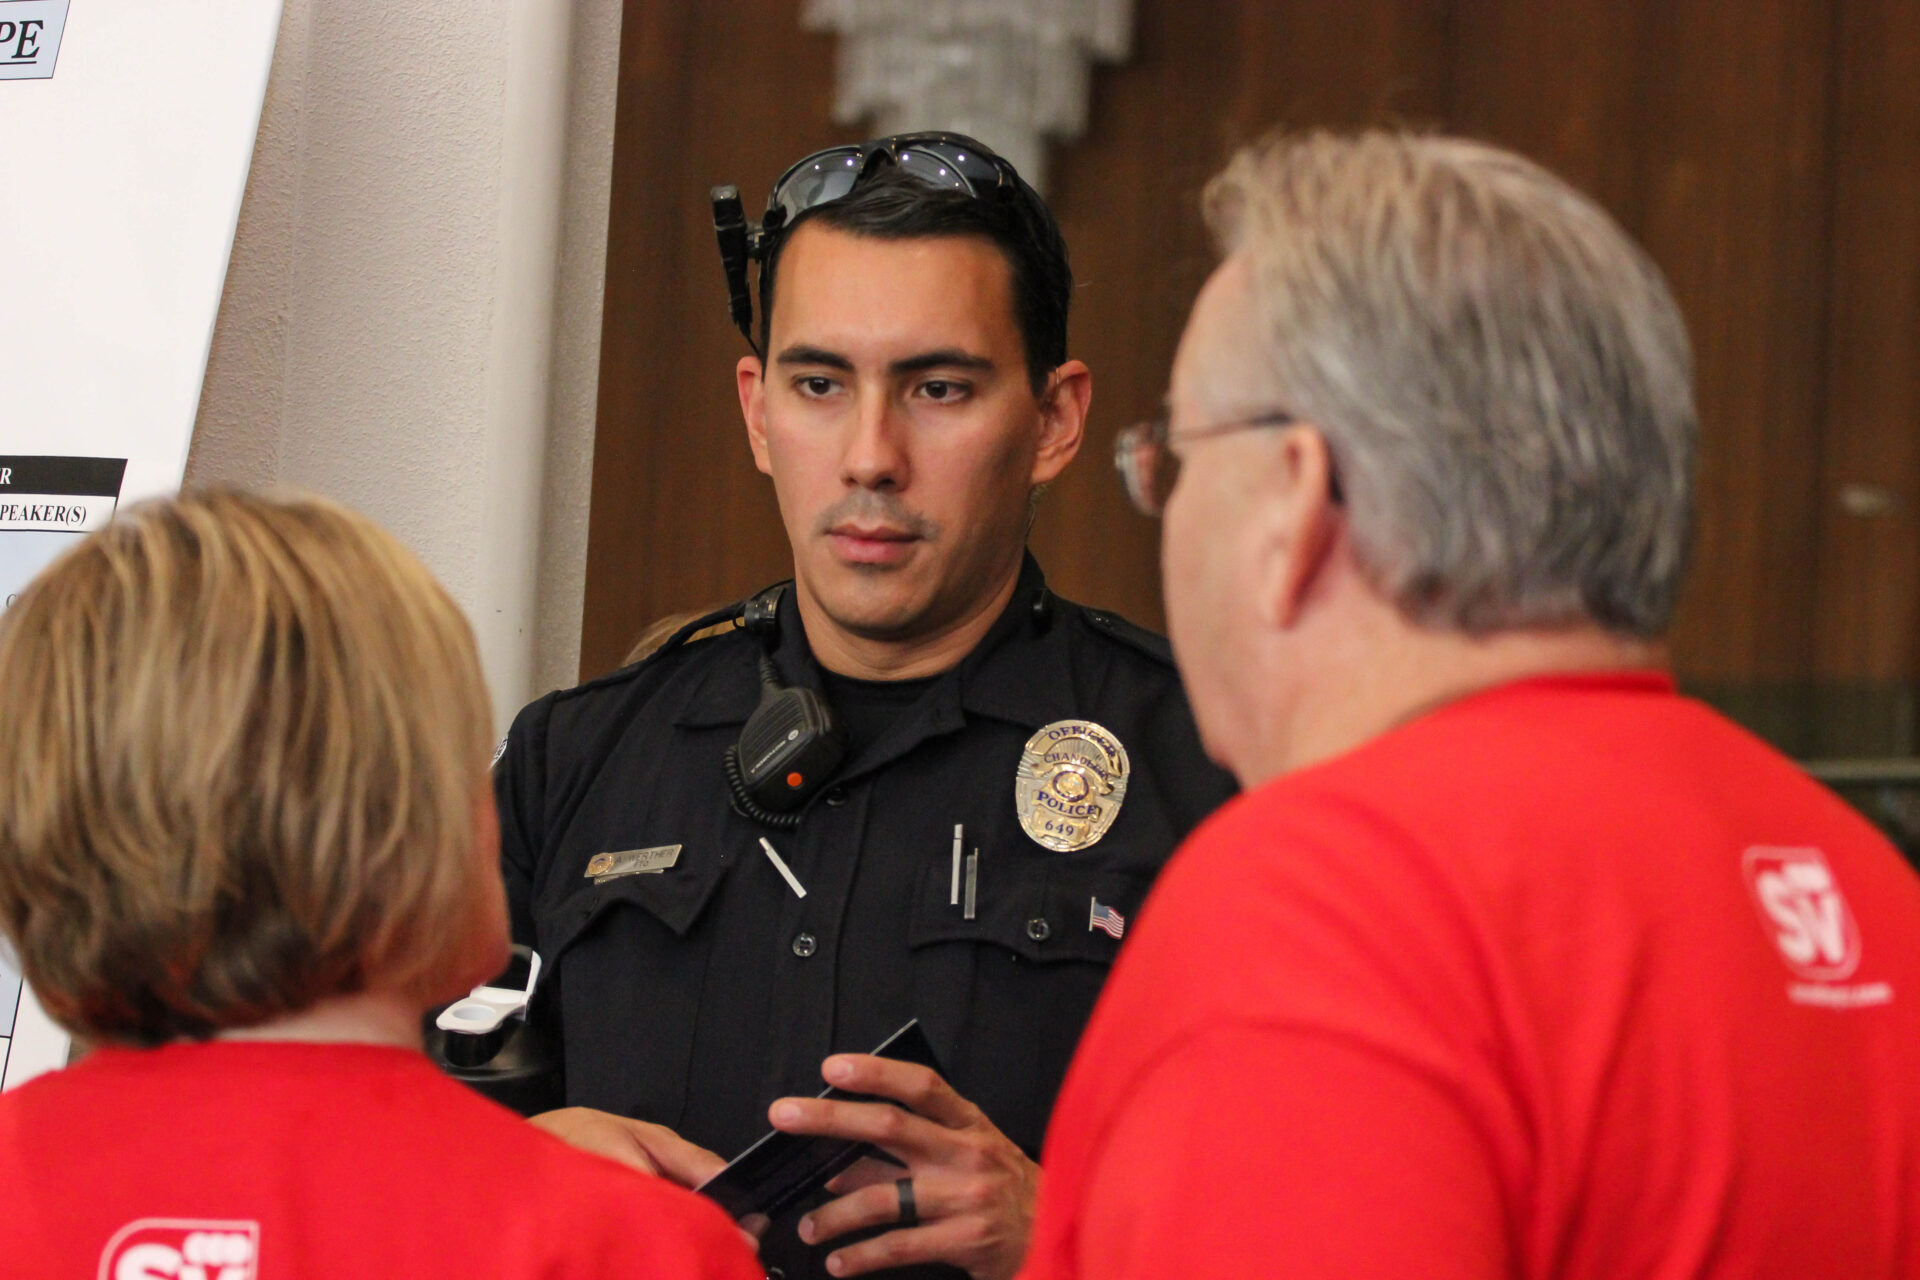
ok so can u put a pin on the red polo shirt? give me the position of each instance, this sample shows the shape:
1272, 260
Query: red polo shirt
1570, 978
274, 1161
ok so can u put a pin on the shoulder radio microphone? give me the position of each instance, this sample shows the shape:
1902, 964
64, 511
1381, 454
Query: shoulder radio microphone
791, 744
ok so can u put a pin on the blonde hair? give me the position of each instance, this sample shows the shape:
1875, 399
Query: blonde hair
654, 638
245, 742
1501, 375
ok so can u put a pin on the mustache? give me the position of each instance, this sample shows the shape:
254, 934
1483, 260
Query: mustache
866, 506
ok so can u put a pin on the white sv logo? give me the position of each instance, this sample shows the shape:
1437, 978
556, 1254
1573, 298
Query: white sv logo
1799, 898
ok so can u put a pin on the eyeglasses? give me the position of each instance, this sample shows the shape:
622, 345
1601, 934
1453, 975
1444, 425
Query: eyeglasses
947, 160
1149, 467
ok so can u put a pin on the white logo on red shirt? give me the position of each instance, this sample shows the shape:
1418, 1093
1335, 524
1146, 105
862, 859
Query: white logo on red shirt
181, 1249
1803, 909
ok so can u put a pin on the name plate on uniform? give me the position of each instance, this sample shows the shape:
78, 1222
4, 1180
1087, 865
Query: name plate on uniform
603, 867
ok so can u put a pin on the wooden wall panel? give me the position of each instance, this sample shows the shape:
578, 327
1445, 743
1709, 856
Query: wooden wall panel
1128, 200
1563, 83
1737, 180
709, 93
1709, 129
1868, 619
1129, 183
1702, 127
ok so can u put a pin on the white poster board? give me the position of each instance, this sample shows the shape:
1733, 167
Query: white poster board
129, 125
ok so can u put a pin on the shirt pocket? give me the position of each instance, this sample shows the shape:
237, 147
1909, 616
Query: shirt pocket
673, 899
1006, 994
1041, 908
628, 965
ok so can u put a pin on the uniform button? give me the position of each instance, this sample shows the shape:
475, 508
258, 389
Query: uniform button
836, 796
1038, 929
805, 944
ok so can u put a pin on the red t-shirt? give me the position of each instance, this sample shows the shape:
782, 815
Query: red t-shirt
1572, 978
271, 1161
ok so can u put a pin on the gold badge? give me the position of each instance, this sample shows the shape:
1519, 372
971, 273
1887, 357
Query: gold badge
603, 867
1071, 780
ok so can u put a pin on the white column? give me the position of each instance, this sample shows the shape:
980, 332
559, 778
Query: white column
411, 318
533, 153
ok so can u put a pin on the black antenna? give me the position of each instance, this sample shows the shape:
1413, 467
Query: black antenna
730, 228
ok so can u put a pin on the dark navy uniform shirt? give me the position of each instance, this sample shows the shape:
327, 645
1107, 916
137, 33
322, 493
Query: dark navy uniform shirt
696, 996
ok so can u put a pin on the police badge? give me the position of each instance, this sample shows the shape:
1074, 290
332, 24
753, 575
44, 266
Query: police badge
1071, 780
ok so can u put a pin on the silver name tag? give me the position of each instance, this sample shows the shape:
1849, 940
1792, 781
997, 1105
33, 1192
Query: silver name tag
603, 867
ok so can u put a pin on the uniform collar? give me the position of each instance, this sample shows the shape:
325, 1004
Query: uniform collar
1019, 672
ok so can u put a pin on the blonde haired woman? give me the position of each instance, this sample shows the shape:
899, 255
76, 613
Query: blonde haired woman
246, 839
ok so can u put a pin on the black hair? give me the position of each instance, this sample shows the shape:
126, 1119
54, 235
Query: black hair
890, 205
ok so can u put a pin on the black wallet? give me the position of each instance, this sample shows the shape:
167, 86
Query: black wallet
781, 1169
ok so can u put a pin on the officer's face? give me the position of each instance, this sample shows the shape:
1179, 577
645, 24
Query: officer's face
899, 427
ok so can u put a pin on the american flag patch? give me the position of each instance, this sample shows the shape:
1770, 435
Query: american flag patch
1106, 919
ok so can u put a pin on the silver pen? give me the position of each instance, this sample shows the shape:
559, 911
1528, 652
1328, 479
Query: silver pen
953, 897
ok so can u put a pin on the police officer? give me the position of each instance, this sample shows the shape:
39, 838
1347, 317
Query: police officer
1016, 768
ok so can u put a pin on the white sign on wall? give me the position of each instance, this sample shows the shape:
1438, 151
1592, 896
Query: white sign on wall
30, 38
129, 128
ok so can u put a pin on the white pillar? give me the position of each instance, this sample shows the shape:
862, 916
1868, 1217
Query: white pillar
411, 320
533, 153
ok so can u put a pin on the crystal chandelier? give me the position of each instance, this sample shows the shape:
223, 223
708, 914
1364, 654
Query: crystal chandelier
1009, 72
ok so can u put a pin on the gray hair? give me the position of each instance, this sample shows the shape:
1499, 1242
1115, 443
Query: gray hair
1501, 376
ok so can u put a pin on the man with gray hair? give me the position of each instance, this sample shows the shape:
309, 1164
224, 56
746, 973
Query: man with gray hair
1510, 962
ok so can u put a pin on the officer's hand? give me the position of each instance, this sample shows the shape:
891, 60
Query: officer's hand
650, 1148
973, 1188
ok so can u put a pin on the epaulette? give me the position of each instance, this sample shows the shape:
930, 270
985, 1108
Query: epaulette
756, 613
717, 624
639, 667
1135, 637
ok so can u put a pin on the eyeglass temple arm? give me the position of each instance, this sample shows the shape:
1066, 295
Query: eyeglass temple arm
736, 240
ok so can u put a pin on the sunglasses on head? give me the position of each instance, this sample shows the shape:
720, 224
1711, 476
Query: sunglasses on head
945, 161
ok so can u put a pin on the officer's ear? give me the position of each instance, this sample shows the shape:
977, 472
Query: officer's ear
750, 380
1063, 419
